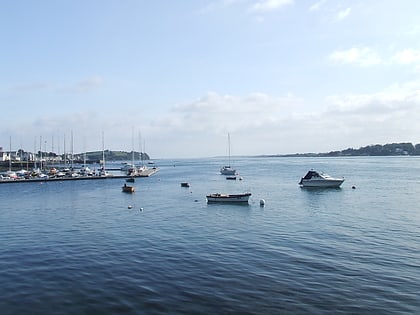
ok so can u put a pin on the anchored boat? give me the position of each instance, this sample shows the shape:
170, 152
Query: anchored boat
228, 198
318, 179
127, 189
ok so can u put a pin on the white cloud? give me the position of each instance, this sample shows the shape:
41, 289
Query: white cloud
33, 86
227, 112
82, 86
317, 5
341, 15
407, 56
258, 123
269, 5
414, 31
254, 6
395, 107
86, 85
262, 124
360, 56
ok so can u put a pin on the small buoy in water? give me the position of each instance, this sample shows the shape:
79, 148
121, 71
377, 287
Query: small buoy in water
262, 203
353, 187
196, 200
129, 207
141, 209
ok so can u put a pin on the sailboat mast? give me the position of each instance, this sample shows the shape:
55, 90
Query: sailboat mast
35, 153
132, 146
84, 152
229, 147
10, 154
64, 154
103, 151
72, 150
40, 151
141, 151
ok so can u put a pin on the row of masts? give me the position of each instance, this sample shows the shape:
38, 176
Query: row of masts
68, 158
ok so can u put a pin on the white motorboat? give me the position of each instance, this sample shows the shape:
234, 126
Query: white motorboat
318, 179
228, 198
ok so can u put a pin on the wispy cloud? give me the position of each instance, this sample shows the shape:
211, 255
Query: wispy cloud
407, 56
341, 15
85, 85
317, 5
360, 56
215, 111
266, 122
269, 5
254, 6
33, 86
413, 31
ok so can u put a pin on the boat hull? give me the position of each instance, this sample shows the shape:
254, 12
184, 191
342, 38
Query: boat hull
330, 183
228, 198
227, 171
128, 189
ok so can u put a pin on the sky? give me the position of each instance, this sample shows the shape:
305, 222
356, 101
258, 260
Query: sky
174, 78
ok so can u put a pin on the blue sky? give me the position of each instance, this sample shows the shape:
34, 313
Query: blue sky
281, 76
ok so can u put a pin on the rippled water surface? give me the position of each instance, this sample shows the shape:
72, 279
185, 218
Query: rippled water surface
76, 247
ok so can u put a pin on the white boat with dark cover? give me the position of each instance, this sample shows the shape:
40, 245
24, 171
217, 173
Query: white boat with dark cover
318, 179
228, 198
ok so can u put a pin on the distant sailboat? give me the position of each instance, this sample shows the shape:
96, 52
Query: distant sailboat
102, 171
227, 169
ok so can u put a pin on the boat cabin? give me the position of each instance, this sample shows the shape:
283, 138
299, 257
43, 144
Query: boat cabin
311, 174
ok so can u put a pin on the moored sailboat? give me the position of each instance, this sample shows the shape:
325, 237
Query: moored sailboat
227, 169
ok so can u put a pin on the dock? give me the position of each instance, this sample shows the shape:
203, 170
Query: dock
144, 173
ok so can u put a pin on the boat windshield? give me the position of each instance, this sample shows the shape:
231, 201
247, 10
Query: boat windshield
311, 174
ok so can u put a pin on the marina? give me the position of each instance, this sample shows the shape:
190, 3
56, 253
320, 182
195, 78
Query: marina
116, 175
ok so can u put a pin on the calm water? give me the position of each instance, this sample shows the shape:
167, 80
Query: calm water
77, 248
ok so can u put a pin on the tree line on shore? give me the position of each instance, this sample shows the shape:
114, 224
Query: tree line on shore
390, 149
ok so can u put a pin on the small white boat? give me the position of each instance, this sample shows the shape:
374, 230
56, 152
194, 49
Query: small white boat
104, 173
228, 198
318, 179
227, 170
86, 171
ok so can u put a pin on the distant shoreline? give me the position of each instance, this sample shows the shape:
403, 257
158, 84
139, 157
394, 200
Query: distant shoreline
392, 149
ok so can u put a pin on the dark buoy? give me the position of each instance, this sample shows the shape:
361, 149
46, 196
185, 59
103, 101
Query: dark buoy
353, 187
